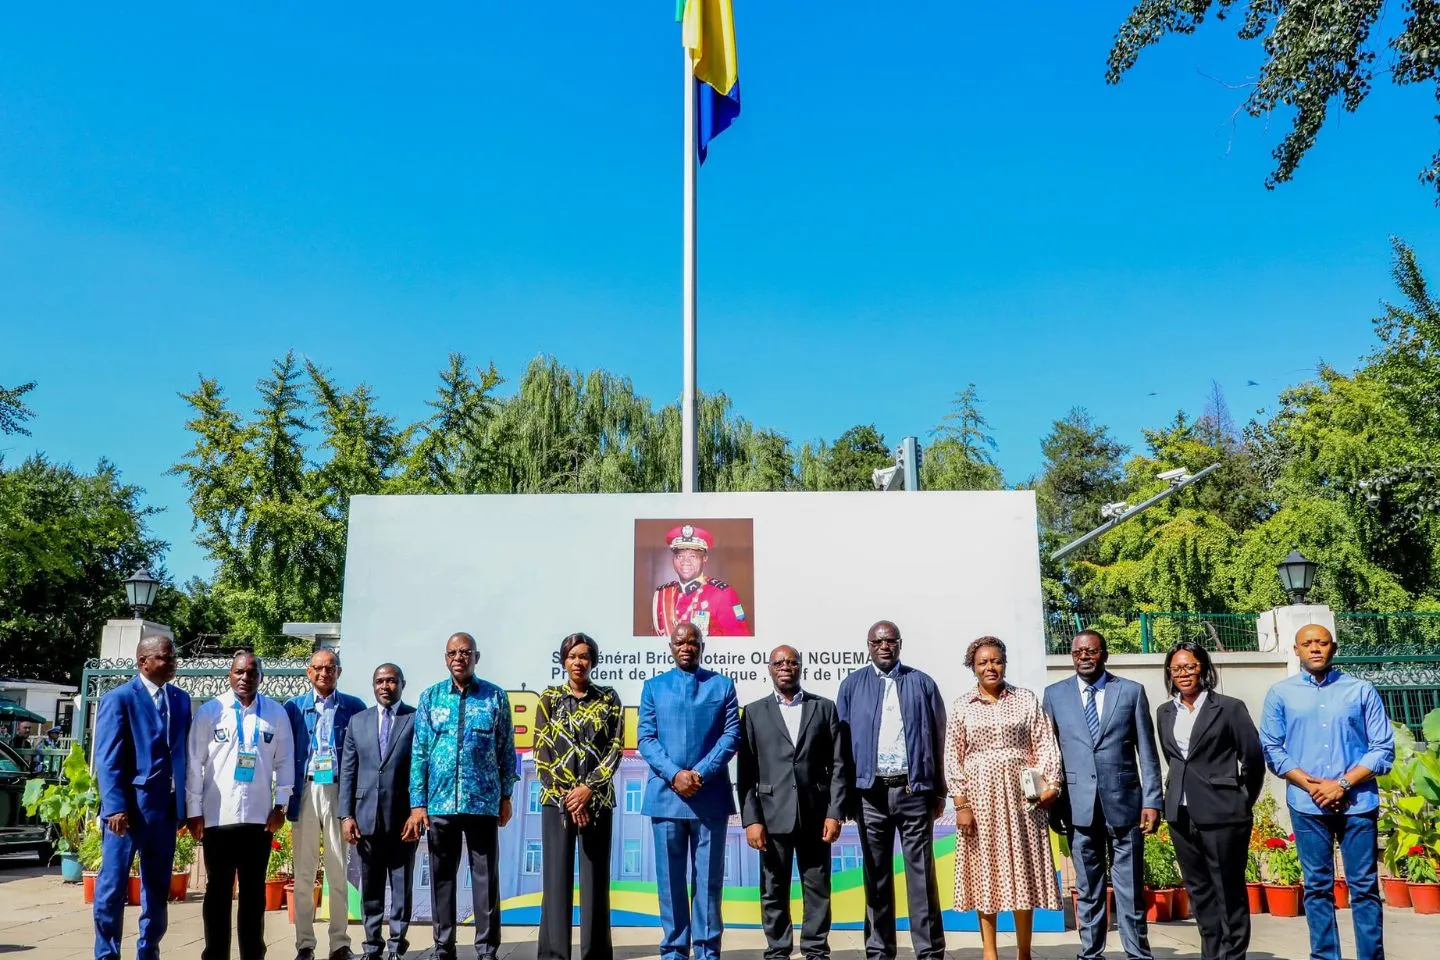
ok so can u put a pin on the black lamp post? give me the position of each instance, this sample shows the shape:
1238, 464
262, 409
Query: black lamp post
140, 591
1297, 575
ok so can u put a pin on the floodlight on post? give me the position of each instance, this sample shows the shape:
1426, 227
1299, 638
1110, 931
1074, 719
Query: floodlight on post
1297, 575
140, 591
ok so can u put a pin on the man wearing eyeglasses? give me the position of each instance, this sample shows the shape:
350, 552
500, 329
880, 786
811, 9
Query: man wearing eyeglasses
896, 725
793, 778
462, 772
318, 720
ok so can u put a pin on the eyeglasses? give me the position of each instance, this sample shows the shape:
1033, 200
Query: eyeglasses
459, 654
1185, 670
324, 669
784, 663
885, 642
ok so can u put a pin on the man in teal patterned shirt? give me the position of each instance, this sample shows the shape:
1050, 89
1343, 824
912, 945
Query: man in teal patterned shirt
462, 771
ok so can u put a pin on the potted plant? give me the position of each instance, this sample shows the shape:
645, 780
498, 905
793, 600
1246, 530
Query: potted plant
1409, 808
88, 853
1254, 889
1282, 868
67, 806
180, 871
1424, 885
278, 870
1162, 877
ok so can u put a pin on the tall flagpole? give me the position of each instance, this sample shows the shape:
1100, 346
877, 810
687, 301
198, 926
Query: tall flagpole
688, 459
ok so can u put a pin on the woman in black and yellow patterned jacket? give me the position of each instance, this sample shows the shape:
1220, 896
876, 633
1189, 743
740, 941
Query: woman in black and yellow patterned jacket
578, 739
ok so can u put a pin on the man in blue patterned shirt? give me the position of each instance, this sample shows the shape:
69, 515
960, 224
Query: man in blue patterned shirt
462, 770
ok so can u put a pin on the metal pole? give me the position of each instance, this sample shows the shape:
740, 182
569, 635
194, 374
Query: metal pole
1109, 525
689, 473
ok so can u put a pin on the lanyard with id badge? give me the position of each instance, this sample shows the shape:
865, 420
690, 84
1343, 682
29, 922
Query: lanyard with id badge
246, 757
322, 762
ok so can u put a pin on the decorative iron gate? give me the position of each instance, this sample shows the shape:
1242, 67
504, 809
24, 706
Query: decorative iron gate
202, 678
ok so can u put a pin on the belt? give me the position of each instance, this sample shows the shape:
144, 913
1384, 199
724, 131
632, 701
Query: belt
892, 780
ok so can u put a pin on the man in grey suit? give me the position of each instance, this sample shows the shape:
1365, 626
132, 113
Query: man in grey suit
374, 804
1103, 724
793, 777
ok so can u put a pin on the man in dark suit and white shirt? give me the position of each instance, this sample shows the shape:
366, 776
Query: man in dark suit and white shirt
793, 773
1103, 724
374, 805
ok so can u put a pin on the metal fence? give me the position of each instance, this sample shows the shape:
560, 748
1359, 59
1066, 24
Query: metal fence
1153, 632
202, 678
1408, 685
1388, 634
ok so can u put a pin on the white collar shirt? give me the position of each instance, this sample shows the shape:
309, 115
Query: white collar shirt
211, 790
156, 692
1100, 686
325, 708
790, 712
891, 757
1185, 726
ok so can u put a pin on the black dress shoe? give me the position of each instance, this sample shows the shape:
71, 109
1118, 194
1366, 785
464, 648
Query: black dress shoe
305, 954
341, 953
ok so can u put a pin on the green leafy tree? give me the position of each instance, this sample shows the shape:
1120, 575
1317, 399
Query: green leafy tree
1316, 55
960, 455
68, 540
846, 464
13, 411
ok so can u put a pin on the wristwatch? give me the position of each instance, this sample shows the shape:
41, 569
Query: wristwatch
1344, 784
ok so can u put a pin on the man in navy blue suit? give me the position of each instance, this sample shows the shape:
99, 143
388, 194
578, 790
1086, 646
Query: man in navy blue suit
141, 731
318, 720
688, 795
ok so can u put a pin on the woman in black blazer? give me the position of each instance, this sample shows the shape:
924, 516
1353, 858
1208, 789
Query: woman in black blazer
1216, 773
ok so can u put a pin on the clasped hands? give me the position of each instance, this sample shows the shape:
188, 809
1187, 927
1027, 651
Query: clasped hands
1327, 794
687, 783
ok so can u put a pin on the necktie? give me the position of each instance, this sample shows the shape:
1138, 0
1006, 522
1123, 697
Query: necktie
1092, 715
163, 709
384, 730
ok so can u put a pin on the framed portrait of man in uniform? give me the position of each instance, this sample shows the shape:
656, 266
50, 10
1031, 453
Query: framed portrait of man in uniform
695, 570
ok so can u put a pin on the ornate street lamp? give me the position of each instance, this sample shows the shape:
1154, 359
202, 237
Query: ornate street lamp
140, 591
1297, 575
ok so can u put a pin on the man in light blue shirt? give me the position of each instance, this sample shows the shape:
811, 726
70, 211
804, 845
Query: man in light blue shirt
689, 729
1328, 736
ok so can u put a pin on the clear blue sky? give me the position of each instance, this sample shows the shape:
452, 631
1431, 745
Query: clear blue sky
916, 196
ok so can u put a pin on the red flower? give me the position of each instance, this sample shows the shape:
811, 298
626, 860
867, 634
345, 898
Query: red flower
1291, 838
1416, 850
274, 844
1275, 843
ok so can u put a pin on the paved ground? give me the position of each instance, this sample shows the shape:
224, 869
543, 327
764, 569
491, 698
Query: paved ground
43, 919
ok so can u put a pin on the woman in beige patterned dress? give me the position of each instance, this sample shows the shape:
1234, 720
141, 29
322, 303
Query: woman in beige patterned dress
1002, 845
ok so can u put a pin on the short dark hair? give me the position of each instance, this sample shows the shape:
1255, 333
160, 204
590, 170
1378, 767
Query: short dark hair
243, 652
399, 674
574, 640
1209, 676
978, 644
1088, 632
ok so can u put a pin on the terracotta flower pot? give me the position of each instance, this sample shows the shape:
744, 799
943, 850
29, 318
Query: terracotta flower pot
179, 885
1256, 893
1109, 906
1181, 907
1159, 904
1425, 897
275, 893
1342, 894
1397, 891
134, 897
1283, 900
290, 898
89, 886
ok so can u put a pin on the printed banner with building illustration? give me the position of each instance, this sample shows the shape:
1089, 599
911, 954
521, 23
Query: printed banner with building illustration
813, 571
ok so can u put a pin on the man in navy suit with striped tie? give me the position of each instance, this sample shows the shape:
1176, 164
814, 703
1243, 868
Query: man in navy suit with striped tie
688, 795
141, 730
